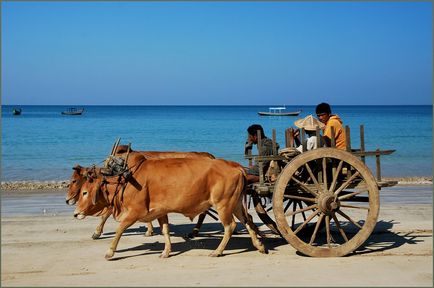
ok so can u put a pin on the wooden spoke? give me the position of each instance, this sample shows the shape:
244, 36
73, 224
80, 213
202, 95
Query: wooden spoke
270, 206
294, 207
356, 207
324, 173
339, 227
313, 178
304, 187
327, 222
287, 206
306, 221
302, 210
312, 238
312, 200
335, 176
345, 185
351, 195
348, 218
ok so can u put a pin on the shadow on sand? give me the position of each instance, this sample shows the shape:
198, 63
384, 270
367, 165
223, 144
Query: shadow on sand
210, 235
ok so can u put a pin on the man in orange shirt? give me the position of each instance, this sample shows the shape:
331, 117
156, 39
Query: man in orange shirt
324, 114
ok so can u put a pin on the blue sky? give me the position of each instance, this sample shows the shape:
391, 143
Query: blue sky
217, 53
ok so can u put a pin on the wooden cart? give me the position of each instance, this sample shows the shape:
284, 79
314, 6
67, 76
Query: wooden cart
324, 202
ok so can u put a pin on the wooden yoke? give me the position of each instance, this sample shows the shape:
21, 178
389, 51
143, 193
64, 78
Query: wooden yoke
128, 154
112, 153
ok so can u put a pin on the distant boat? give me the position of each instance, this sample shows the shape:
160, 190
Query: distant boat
16, 111
73, 111
279, 111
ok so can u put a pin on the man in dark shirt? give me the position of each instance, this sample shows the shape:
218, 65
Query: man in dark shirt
266, 149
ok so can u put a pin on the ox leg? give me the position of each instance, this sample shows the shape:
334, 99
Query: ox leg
100, 227
196, 228
164, 224
229, 227
150, 231
246, 219
121, 228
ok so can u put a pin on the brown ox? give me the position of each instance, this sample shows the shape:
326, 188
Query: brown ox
158, 187
77, 179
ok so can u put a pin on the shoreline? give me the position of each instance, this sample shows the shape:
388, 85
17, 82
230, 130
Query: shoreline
38, 185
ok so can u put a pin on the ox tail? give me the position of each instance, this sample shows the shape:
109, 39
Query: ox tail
244, 191
244, 201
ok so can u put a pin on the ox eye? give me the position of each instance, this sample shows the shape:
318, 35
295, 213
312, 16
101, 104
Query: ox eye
74, 181
84, 193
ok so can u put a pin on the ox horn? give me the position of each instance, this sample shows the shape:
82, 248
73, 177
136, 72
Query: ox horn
77, 167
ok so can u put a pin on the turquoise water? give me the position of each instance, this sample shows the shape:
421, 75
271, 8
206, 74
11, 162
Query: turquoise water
42, 144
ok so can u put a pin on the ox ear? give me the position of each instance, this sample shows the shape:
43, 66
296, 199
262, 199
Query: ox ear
96, 192
95, 196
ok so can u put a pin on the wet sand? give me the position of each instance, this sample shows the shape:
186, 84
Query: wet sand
51, 248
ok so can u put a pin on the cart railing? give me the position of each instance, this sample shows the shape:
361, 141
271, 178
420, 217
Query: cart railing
290, 143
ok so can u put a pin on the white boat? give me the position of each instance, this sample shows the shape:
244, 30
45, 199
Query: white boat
73, 111
279, 111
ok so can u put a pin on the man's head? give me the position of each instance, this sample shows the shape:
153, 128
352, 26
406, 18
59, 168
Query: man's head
253, 133
323, 112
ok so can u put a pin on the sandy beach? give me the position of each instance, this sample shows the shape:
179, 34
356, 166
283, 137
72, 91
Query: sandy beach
48, 247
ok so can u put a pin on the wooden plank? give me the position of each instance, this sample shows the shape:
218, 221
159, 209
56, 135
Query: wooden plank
260, 164
378, 166
303, 140
333, 139
287, 138
274, 142
373, 153
318, 137
348, 138
362, 141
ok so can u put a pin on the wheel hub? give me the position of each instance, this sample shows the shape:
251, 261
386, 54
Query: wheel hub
327, 203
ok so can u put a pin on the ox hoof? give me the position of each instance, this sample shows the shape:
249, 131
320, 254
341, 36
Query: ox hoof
149, 233
96, 236
110, 253
164, 255
263, 250
215, 254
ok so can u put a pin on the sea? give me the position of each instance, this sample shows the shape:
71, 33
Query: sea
43, 145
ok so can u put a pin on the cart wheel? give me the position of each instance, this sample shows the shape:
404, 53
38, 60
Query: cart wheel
341, 194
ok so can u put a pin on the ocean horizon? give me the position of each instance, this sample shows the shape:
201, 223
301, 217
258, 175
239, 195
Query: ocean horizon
43, 145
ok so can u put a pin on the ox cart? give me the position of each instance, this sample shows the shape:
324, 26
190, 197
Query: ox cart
324, 202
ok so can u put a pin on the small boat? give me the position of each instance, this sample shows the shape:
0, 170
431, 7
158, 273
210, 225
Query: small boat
73, 111
279, 111
16, 111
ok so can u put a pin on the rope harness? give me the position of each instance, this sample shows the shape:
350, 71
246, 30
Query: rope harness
119, 169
